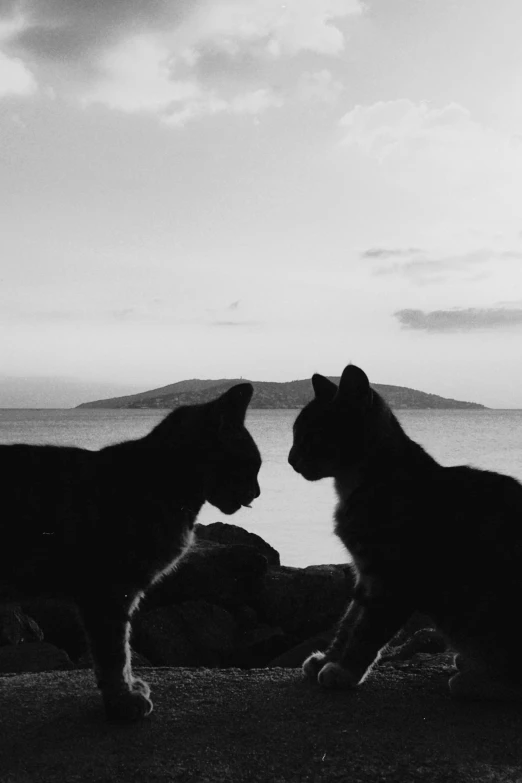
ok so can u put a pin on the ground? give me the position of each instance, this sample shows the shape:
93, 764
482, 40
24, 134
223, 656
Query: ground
233, 726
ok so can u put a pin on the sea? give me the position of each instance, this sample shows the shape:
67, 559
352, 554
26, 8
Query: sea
293, 515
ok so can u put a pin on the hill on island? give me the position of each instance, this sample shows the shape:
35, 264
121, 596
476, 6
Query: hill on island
267, 394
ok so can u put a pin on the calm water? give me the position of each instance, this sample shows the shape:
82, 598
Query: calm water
293, 515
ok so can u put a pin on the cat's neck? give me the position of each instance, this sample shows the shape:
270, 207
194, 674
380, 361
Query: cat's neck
152, 464
397, 458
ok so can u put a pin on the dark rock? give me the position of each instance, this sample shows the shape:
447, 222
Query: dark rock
296, 655
224, 533
258, 645
416, 622
35, 657
228, 576
161, 636
426, 640
210, 626
246, 618
305, 601
16, 627
195, 633
61, 624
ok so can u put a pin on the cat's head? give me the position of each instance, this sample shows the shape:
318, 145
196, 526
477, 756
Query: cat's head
330, 433
216, 447
231, 457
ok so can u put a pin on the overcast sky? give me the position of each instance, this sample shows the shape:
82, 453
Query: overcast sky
225, 188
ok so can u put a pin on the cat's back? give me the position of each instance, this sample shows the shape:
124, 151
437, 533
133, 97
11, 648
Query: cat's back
469, 507
23, 464
477, 494
36, 481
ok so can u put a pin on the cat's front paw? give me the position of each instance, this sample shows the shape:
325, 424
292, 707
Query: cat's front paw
127, 706
313, 665
334, 677
140, 686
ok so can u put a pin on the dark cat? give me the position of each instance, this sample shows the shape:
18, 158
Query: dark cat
102, 526
446, 542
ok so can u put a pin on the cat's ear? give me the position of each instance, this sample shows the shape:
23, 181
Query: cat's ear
233, 403
354, 387
324, 388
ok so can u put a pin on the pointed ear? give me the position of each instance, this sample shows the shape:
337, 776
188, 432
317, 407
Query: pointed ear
234, 402
354, 386
324, 388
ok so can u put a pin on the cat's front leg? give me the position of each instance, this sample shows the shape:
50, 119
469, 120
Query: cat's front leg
107, 623
318, 661
367, 626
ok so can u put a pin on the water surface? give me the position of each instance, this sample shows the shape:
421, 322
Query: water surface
293, 515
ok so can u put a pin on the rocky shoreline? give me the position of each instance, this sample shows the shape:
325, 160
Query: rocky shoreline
230, 604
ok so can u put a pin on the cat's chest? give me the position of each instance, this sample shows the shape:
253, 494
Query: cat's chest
186, 541
363, 533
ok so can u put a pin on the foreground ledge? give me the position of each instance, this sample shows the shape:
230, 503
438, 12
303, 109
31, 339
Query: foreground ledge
259, 725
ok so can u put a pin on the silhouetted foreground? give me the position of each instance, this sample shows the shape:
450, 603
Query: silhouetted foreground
230, 726
230, 603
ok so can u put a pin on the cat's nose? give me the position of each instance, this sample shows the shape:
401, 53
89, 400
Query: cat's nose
291, 458
257, 490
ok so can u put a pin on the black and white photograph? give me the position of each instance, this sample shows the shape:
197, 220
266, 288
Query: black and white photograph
261, 391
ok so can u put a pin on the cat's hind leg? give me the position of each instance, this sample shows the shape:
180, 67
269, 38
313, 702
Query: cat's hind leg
475, 680
107, 623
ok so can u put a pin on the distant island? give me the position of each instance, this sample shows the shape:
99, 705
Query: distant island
268, 394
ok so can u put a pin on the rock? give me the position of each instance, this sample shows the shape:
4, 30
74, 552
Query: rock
224, 533
304, 601
227, 576
416, 622
34, 657
426, 640
60, 622
258, 645
194, 633
246, 618
296, 655
210, 626
16, 627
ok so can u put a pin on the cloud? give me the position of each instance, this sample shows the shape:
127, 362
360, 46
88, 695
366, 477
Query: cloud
460, 320
180, 59
279, 27
399, 127
235, 323
319, 86
15, 77
442, 159
384, 252
468, 266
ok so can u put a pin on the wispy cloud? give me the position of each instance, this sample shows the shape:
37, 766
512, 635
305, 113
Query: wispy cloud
389, 252
235, 323
469, 266
460, 319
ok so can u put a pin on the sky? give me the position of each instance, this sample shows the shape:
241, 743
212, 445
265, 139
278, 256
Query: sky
260, 189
